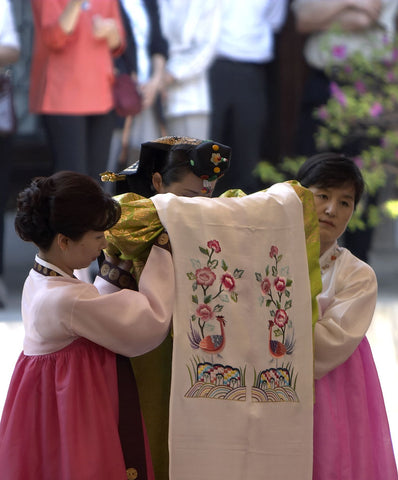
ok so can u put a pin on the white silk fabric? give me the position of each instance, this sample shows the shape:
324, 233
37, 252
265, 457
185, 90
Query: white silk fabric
241, 401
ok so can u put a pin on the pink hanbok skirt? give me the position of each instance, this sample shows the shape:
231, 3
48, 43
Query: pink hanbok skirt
60, 419
351, 434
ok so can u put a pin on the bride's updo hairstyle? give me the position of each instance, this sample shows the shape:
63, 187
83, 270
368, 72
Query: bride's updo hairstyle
70, 203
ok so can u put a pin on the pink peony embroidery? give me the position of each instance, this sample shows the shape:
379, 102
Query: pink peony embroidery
273, 252
210, 293
265, 286
228, 282
280, 284
277, 300
204, 312
205, 277
281, 318
214, 245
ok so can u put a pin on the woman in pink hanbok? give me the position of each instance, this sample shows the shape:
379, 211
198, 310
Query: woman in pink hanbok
60, 418
351, 432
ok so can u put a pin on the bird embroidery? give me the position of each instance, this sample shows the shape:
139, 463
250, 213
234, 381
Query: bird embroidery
276, 348
211, 343
214, 343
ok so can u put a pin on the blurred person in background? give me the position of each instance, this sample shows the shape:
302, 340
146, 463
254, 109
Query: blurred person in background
9, 54
363, 25
191, 29
359, 26
146, 55
72, 77
239, 86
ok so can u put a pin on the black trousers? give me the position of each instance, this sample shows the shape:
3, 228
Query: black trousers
238, 96
80, 143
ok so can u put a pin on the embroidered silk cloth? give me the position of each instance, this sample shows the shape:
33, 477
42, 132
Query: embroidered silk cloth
241, 401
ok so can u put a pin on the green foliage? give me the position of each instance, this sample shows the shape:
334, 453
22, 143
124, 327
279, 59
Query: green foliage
286, 170
363, 112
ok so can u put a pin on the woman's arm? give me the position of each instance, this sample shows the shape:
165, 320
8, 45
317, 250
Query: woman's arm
313, 15
107, 28
70, 16
8, 55
187, 61
128, 322
153, 86
57, 25
9, 40
346, 319
54, 24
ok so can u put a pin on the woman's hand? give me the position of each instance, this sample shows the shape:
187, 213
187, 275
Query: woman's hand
118, 262
106, 29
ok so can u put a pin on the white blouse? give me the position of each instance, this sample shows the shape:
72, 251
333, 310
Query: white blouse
56, 310
192, 31
8, 32
346, 307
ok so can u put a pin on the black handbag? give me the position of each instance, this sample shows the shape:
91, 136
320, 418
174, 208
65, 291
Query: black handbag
8, 121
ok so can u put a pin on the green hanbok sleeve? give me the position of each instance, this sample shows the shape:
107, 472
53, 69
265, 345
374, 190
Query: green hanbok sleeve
134, 234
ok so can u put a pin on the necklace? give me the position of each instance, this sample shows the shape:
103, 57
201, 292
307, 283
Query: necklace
328, 261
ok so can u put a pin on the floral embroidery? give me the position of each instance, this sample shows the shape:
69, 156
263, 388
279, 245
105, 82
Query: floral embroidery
213, 286
205, 277
212, 289
214, 245
277, 300
276, 384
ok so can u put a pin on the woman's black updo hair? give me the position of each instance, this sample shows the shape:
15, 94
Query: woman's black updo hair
70, 203
177, 166
329, 169
173, 166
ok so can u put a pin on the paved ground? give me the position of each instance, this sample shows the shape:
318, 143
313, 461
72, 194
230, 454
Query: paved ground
383, 334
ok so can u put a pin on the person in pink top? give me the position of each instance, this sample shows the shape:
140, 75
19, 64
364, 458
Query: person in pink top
72, 76
61, 415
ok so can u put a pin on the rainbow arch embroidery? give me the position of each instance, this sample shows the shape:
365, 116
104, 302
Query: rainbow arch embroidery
210, 380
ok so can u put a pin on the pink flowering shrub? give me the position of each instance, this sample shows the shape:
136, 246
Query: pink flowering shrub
362, 110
